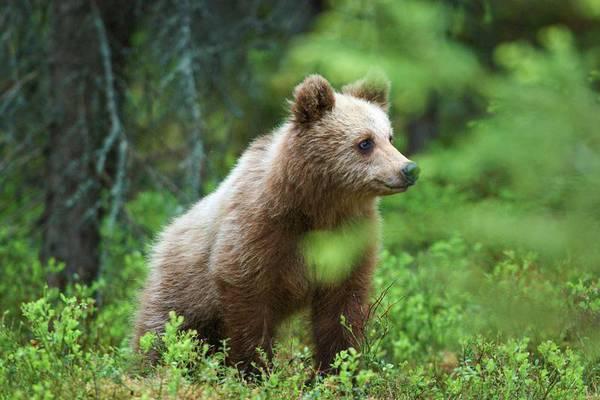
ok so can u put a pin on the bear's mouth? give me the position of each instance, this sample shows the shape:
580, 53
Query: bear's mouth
395, 188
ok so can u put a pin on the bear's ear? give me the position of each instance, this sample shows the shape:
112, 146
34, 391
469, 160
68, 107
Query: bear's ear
312, 99
374, 90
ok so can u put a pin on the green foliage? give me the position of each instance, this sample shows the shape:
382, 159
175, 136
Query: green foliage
57, 362
151, 210
331, 254
22, 276
539, 147
54, 362
510, 371
406, 41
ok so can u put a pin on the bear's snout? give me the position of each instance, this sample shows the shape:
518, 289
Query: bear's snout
410, 171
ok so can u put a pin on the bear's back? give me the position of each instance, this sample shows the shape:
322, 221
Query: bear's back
187, 241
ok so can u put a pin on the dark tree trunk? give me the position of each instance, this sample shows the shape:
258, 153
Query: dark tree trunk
424, 129
77, 132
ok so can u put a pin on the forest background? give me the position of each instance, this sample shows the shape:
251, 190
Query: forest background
116, 116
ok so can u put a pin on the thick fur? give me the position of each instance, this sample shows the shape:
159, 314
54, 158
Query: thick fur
373, 90
232, 264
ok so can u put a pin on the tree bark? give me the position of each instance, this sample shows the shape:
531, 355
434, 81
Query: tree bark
424, 129
79, 125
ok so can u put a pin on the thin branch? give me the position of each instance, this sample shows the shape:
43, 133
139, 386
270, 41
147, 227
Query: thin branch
116, 127
196, 157
8, 95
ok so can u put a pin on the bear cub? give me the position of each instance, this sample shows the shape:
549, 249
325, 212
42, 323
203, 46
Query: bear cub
235, 265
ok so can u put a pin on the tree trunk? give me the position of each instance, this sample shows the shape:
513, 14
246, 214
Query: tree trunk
79, 126
424, 129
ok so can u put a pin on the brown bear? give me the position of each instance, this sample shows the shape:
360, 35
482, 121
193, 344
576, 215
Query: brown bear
234, 265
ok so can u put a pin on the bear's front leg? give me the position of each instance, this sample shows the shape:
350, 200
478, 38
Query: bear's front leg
248, 324
329, 303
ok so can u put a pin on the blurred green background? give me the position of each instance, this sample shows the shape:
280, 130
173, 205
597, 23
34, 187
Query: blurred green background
116, 116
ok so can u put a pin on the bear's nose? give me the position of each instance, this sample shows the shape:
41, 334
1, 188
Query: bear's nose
411, 173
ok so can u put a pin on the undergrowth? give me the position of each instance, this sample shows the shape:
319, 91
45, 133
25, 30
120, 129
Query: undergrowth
433, 333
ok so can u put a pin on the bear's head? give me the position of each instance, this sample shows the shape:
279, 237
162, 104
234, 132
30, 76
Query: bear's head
346, 138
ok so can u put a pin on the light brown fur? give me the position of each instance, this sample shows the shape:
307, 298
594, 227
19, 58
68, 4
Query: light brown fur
232, 265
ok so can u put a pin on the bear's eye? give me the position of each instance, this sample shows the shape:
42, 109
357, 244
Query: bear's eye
391, 139
366, 145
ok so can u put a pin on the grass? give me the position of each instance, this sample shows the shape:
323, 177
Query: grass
439, 331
